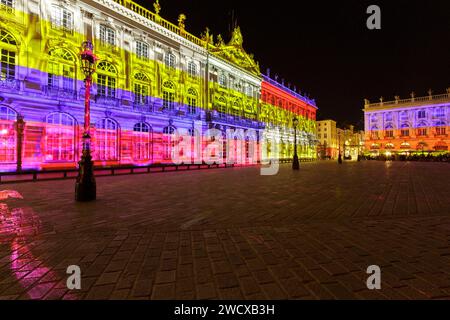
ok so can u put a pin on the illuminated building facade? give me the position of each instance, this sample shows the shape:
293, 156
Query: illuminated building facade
157, 90
414, 125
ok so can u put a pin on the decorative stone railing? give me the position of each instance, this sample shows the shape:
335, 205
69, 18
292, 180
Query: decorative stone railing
412, 100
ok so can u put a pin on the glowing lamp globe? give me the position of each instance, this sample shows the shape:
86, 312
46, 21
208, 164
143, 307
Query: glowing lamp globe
88, 59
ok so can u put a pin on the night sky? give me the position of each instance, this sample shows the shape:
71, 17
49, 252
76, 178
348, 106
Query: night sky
325, 48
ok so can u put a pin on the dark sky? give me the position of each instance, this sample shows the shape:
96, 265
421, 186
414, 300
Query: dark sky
325, 48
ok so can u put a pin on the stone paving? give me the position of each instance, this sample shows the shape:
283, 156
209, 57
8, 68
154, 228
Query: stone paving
233, 234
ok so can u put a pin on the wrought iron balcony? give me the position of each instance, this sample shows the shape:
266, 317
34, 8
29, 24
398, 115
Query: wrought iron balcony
57, 92
10, 84
107, 100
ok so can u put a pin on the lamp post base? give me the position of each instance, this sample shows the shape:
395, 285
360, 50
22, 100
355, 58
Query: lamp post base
295, 163
86, 187
340, 159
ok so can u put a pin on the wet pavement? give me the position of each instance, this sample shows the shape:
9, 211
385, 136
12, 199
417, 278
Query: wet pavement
233, 234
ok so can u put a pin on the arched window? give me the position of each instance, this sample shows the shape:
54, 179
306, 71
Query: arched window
7, 135
441, 128
192, 99
192, 69
141, 89
404, 132
8, 46
422, 128
60, 137
169, 60
106, 80
389, 131
61, 70
168, 96
374, 133
142, 140
107, 140
236, 109
222, 105
168, 143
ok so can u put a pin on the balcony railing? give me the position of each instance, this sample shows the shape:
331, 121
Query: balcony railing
10, 84
108, 100
414, 100
157, 19
63, 93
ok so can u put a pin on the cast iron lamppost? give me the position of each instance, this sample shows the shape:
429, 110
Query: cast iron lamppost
20, 128
85, 188
340, 155
295, 163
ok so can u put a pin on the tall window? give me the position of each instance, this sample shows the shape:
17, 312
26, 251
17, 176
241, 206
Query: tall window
142, 50
374, 133
107, 35
192, 101
421, 114
439, 112
168, 143
61, 70
388, 117
169, 96
106, 80
222, 80
404, 132
404, 116
422, 129
142, 141
389, 131
8, 56
7, 135
60, 137
169, 60
62, 18
106, 137
236, 110
440, 128
192, 69
222, 105
141, 89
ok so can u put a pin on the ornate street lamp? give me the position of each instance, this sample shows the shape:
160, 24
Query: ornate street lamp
85, 188
295, 163
340, 155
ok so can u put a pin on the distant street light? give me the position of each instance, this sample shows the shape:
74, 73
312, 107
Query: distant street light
295, 163
86, 188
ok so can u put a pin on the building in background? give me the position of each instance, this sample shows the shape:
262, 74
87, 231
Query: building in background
333, 140
415, 125
153, 80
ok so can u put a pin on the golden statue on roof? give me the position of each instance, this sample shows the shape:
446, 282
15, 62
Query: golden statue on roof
157, 7
235, 53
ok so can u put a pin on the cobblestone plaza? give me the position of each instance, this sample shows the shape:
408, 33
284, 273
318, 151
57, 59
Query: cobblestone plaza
234, 234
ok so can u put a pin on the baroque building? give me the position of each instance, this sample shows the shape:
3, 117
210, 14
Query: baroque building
158, 90
418, 124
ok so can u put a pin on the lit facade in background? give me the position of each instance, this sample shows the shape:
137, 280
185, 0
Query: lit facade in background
153, 80
332, 140
415, 125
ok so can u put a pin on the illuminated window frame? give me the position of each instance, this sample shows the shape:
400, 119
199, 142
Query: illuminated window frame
107, 35
107, 140
62, 18
60, 137
142, 50
142, 141
8, 143
192, 98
